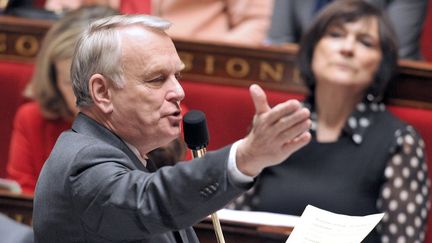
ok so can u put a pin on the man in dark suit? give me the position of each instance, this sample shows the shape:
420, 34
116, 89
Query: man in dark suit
98, 186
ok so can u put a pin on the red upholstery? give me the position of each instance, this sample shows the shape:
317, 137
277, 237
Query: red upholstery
229, 110
13, 78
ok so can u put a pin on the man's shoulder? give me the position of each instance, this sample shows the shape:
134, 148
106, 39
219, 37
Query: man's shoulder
73, 141
77, 145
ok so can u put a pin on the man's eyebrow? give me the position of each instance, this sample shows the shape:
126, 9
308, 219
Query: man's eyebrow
159, 69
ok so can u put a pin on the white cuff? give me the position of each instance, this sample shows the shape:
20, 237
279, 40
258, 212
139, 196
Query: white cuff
235, 174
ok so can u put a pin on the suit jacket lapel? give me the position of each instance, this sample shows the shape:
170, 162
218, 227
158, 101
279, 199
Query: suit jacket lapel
87, 126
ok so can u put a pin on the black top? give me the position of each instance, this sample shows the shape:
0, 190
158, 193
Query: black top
377, 165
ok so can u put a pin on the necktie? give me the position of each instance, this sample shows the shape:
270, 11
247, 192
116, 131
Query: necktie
151, 166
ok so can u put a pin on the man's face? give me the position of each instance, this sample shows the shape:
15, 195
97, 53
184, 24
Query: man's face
146, 111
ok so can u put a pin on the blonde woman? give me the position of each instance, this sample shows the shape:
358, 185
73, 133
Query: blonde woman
38, 123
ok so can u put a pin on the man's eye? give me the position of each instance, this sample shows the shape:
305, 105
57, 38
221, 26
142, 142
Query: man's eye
178, 76
159, 79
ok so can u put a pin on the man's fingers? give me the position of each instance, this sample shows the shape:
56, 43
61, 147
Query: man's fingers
287, 114
295, 130
259, 99
298, 142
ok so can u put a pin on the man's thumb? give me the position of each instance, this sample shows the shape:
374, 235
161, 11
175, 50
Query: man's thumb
259, 99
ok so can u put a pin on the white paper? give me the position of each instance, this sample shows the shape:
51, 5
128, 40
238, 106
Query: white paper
259, 218
10, 185
320, 226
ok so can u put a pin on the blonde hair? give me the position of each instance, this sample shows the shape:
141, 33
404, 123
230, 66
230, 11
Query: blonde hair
59, 44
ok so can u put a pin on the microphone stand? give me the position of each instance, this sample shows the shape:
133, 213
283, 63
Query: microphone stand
196, 138
214, 217
217, 227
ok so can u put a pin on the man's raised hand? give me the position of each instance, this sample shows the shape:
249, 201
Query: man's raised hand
276, 133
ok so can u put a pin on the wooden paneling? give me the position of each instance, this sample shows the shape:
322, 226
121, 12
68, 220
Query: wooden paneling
20, 208
271, 67
275, 68
235, 232
20, 38
17, 206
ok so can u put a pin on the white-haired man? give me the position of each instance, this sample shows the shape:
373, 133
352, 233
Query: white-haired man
96, 185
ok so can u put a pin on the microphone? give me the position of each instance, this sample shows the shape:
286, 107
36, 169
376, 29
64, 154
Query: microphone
197, 138
196, 132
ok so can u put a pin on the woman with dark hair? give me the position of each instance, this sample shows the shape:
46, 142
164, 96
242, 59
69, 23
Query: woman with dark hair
291, 19
362, 159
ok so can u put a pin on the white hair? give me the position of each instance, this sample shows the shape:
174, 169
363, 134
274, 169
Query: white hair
99, 51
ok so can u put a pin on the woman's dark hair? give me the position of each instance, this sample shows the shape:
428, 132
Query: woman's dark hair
340, 12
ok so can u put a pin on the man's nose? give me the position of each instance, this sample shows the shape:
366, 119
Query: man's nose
176, 91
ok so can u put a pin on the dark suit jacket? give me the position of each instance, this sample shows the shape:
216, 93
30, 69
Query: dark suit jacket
93, 188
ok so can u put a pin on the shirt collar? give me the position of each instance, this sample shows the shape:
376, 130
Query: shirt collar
137, 153
357, 123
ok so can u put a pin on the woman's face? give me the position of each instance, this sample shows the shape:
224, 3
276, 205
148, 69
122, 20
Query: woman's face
64, 83
348, 55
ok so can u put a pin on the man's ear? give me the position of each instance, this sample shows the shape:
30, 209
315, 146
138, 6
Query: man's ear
99, 88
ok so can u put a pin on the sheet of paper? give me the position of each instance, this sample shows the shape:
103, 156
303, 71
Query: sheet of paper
260, 218
321, 226
10, 185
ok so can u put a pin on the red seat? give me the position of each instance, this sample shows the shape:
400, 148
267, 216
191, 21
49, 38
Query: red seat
13, 78
229, 109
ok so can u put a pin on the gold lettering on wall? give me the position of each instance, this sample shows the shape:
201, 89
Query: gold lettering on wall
273, 72
27, 45
237, 67
296, 75
234, 67
3, 45
209, 64
187, 59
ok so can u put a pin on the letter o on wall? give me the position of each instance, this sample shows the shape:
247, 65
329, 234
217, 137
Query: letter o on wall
3, 46
237, 67
27, 45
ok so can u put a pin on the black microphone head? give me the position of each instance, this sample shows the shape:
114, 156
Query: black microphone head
195, 130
